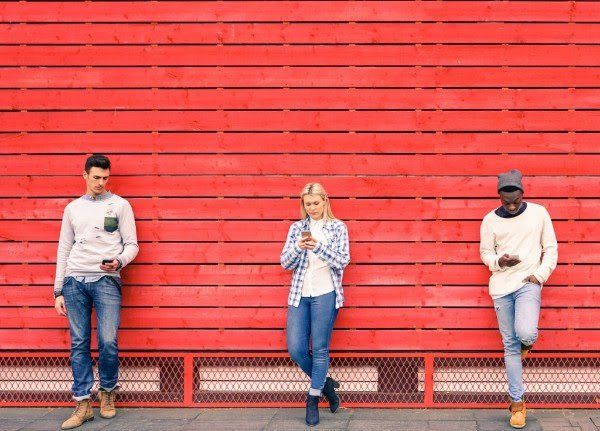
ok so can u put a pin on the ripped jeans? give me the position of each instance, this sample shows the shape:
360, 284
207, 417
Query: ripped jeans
518, 315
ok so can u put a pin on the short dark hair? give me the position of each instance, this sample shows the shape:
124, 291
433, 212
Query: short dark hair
97, 161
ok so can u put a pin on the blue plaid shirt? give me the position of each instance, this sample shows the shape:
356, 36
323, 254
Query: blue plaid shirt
336, 253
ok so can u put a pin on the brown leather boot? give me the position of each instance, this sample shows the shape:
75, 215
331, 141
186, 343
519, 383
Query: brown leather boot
525, 351
107, 404
83, 413
517, 415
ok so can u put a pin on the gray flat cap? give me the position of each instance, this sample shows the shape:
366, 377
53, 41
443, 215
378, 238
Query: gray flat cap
511, 178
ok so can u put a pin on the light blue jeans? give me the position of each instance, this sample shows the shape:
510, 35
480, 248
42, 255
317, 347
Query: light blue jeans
312, 321
518, 315
105, 296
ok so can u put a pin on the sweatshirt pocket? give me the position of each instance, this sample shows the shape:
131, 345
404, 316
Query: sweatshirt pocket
111, 224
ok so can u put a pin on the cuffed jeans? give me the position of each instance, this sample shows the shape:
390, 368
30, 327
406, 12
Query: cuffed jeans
312, 321
105, 296
518, 315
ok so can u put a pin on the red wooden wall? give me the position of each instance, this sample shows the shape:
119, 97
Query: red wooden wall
216, 113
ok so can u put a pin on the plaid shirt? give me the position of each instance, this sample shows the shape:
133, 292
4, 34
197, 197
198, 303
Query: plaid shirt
336, 253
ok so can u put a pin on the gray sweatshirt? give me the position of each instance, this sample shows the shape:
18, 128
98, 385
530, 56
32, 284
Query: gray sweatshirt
91, 231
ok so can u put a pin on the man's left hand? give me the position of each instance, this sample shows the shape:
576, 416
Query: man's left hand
532, 279
111, 267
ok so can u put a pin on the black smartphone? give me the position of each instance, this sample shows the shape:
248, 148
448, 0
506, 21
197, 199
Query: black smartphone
107, 261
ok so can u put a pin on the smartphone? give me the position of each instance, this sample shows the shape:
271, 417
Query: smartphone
107, 261
305, 234
514, 257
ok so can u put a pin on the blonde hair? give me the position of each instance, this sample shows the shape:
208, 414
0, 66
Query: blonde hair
316, 189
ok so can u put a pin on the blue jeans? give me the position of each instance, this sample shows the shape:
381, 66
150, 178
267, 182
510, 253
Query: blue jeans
518, 315
105, 296
312, 321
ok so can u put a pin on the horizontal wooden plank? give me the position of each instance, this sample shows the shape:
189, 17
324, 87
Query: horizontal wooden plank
276, 296
410, 274
184, 99
281, 209
263, 231
302, 55
310, 164
355, 32
318, 121
298, 142
162, 253
274, 340
168, 11
275, 318
289, 186
302, 76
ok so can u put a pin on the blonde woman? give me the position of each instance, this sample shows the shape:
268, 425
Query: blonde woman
317, 250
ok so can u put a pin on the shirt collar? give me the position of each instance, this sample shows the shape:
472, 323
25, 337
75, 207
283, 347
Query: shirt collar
501, 212
104, 196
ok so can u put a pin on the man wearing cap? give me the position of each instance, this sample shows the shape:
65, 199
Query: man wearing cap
519, 246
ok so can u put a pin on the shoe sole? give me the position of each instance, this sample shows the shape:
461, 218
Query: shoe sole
86, 420
107, 417
519, 427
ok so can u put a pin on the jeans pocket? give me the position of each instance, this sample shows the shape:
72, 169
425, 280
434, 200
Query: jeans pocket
115, 281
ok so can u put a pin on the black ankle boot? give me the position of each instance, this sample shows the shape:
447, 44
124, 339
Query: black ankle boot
312, 410
329, 393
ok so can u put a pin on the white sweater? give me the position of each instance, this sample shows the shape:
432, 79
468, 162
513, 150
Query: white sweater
529, 235
89, 234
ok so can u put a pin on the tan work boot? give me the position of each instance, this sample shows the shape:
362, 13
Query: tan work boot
517, 415
83, 413
107, 404
525, 351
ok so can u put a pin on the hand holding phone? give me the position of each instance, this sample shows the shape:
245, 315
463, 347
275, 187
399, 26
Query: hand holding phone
109, 265
509, 260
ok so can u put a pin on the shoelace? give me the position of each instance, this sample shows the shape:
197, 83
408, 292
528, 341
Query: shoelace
109, 399
80, 407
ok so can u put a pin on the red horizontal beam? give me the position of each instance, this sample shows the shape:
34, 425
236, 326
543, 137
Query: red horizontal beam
276, 296
262, 231
318, 121
274, 340
241, 275
302, 55
304, 76
232, 253
185, 99
289, 186
211, 11
240, 33
297, 142
309, 164
282, 209
275, 318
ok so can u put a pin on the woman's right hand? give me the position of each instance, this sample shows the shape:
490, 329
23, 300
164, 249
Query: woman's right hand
307, 243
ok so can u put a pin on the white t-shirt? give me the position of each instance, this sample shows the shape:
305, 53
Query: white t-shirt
317, 280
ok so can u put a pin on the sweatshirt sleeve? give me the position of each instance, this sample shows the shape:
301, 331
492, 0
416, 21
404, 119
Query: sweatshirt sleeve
65, 244
337, 254
487, 247
291, 253
128, 235
549, 250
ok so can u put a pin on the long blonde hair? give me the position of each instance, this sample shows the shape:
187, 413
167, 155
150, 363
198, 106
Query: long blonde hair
316, 189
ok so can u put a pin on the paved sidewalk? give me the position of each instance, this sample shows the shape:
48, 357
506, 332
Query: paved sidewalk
47, 419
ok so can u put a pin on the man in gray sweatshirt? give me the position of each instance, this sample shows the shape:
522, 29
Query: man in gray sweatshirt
97, 240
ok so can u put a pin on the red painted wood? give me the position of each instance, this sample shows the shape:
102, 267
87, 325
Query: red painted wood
333, 121
333, 33
274, 340
164, 11
270, 164
300, 76
299, 99
298, 142
300, 55
280, 209
275, 318
273, 186
406, 252
276, 296
276, 231
409, 274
